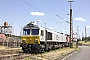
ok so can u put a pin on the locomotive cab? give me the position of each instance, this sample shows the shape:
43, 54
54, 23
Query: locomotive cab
31, 38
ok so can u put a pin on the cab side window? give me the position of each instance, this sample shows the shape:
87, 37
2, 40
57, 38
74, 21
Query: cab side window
42, 33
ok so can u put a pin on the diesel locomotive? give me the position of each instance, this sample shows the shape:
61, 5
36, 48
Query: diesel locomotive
39, 39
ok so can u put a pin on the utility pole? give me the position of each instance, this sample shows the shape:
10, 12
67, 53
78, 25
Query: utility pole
71, 25
82, 35
45, 34
46, 47
77, 37
37, 22
85, 32
77, 31
21, 35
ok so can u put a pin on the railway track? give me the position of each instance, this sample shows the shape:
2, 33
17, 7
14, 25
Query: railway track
20, 55
15, 54
10, 51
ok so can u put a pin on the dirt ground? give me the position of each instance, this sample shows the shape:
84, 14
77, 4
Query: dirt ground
7, 48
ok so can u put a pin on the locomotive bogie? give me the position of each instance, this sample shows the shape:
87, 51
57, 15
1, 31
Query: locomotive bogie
32, 48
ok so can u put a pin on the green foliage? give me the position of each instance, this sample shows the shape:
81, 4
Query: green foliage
86, 39
27, 58
62, 54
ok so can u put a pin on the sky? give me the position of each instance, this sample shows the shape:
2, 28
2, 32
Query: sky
20, 12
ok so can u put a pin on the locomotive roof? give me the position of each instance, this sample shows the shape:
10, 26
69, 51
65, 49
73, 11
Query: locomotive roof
39, 27
30, 25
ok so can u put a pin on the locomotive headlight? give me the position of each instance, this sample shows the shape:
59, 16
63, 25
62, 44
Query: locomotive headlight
36, 41
23, 41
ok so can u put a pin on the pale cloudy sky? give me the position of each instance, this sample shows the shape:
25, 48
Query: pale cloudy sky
20, 12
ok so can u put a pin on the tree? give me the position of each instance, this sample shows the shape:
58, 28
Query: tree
86, 38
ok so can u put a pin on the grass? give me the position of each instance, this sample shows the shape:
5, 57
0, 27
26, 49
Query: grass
62, 54
84, 42
65, 49
1, 46
76, 47
54, 53
27, 58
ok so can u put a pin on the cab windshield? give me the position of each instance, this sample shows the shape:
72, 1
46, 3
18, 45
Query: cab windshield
35, 32
26, 32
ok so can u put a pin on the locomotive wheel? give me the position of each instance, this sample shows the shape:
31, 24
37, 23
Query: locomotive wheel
47, 47
35, 49
25, 50
42, 50
29, 49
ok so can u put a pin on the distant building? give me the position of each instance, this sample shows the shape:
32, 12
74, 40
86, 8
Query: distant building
2, 36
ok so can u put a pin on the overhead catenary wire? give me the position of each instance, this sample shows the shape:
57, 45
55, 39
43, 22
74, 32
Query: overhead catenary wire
38, 11
63, 19
46, 5
54, 12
